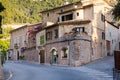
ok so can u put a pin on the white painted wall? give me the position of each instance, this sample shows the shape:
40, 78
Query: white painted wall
112, 34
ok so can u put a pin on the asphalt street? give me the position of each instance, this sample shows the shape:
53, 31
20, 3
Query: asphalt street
21, 70
25, 71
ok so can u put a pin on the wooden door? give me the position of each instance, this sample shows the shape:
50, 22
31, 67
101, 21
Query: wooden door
108, 47
42, 56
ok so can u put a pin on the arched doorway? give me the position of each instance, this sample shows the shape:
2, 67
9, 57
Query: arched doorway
42, 56
54, 56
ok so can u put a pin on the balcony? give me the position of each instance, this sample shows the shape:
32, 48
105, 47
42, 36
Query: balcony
76, 36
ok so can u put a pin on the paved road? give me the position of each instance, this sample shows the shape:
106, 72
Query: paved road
26, 71
97, 70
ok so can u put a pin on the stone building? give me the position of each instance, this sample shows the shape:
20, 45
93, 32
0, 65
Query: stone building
74, 33
112, 37
22, 40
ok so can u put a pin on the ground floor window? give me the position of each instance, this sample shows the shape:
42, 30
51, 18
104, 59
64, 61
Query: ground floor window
64, 52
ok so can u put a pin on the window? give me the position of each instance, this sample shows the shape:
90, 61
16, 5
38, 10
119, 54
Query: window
61, 10
63, 18
110, 34
77, 13
47, 14
67, 17
103, 35
58, 20
78, 29
49, 35
42, 40
64, 52
56, 33
102, 17
119, 45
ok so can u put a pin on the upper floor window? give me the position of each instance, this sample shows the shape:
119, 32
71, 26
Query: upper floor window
110, 34
119, 45
58, 19
49, 35
103, 35
102, 17
79, 29
77, 13
67, 17
61, 10
48, 14
56, 33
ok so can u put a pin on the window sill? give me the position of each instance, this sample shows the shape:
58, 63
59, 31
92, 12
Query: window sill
64, 58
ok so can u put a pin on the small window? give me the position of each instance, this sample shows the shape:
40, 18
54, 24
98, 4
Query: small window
49, 35
119, 45
103, 35
58, 19
67, 17
63, 18
47, 14
77, 13
78, 29
65, 52
56, 33
110, 34
61, 10
102, 17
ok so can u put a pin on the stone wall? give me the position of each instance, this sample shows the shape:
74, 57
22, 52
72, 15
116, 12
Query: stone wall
79, 50
31, 55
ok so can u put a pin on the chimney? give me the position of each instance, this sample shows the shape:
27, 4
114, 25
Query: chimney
66, 2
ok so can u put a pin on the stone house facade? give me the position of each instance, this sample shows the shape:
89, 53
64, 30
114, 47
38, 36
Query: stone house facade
72, 34
22, 39
76, 34
111, 33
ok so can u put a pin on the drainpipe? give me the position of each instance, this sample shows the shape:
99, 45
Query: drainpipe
69, 52
91, 44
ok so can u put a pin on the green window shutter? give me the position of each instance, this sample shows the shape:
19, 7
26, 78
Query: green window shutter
42, 40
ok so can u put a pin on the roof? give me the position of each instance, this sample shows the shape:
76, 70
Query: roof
76, 9
112, 24
18, 28
25, 26
61, 6
79, 2
109, 2
70, 22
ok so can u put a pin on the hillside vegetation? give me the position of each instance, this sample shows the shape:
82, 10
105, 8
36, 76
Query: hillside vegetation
27, 11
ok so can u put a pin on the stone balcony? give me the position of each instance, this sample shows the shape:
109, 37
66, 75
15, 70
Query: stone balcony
70, 37
76, 36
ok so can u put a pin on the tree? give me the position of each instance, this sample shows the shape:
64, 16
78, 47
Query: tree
4, 45
1, 9
27, 11
116, 11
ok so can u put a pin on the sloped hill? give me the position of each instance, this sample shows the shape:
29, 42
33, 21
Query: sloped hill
27, 11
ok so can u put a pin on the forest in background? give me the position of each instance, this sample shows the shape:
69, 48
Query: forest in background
19, 12
27, 11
